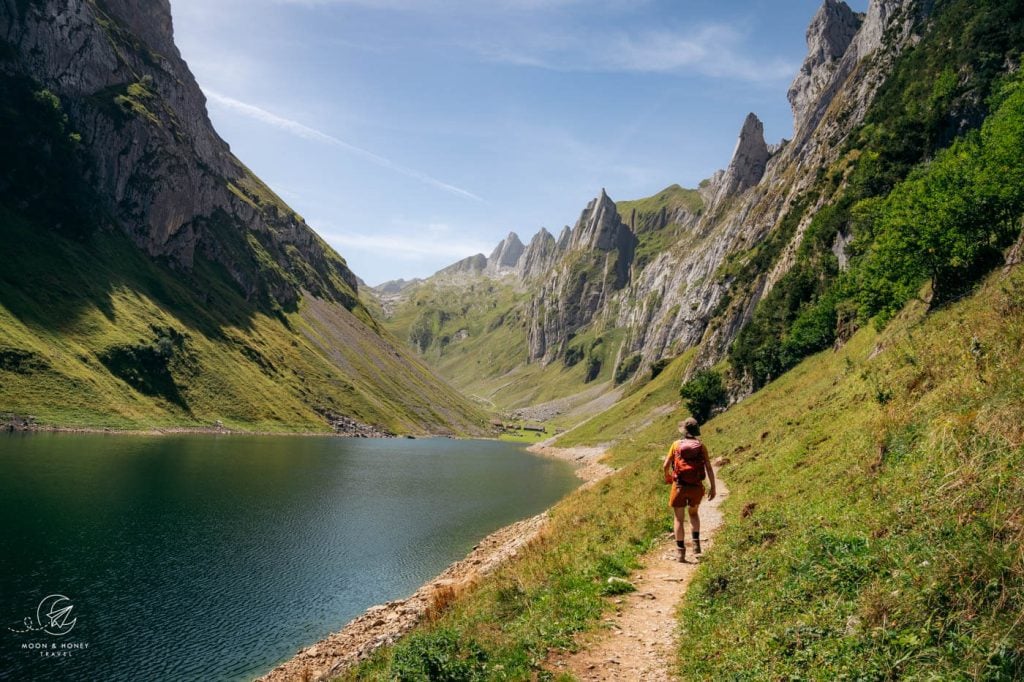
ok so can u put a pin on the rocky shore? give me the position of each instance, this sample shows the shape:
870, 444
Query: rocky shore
340, 425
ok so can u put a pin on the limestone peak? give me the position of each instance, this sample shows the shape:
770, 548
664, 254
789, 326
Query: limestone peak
829, 35
749, 160
506, 254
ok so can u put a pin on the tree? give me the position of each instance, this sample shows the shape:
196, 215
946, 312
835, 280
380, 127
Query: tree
703, 393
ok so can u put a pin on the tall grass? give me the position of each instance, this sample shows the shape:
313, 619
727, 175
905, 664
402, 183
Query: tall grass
884, 519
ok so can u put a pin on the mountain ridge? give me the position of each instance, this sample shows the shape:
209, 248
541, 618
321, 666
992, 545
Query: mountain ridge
697, 279
151, 278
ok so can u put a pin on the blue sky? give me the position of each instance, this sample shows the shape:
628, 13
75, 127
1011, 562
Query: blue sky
412, 133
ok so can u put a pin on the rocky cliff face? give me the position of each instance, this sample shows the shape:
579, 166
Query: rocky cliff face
168, 180
828, 37
506, 255
693, 300
595, 265
748, 161
538, 257
662, 275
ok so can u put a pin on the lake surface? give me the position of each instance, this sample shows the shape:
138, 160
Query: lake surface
216, 557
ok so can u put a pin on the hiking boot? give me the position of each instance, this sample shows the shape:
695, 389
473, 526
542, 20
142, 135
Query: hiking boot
696, 547
681, 555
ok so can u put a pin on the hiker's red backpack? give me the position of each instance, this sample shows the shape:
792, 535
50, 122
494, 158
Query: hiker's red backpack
688, 461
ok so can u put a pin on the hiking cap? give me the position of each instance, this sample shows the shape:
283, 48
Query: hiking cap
690, 426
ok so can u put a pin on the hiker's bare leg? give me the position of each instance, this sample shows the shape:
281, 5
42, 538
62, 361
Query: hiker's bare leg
678, 524
694, 521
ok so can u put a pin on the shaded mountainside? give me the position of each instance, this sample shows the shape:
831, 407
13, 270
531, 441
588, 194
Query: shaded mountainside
149, 277
765, 262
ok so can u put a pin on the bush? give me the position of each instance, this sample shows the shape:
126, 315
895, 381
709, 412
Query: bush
627, 368
659, 366
703, 393
439, 656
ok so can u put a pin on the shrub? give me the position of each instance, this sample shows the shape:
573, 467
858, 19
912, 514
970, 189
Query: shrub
573, 354
439, 656
659, 366
627, 368
703, 393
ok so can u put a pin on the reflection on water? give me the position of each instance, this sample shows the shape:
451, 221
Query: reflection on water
214, 557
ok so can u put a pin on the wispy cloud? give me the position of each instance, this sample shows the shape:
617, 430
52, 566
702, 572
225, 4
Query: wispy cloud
711, 50
462, 5
306, 132
403, 246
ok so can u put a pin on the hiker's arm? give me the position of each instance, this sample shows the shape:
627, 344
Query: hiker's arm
666, 466
710, 470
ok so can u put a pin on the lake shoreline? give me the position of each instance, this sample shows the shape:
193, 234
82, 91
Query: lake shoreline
384, 624
19, 424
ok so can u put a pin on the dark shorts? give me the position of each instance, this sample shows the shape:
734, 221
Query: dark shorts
686, 495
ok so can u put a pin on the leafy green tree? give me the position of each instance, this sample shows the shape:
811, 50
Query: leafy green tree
950, 220
703, 393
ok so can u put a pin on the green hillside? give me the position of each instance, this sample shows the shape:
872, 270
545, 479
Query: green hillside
653, 220
474, 335
94, 333
873, 529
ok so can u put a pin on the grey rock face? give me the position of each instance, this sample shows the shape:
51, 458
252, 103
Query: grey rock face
599, 226
748, 161
564, 237
472, 265
668, 306
506, 254
538, 257
594, 266
828, 37
880, 15
172, 183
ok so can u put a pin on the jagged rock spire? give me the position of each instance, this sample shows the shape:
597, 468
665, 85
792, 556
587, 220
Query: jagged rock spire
538, 257
564, 237
506, 254
748, 160
829, 35
599, 226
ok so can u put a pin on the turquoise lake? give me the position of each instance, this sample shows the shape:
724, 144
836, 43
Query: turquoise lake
215, 557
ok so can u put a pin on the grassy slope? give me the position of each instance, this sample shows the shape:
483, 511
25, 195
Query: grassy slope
874, 527
655, 399
490, 363
66, 303
644, 217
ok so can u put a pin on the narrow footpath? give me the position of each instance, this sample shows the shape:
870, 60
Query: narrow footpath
640, 639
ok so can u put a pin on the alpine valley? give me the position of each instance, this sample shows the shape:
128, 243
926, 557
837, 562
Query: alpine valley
845, 310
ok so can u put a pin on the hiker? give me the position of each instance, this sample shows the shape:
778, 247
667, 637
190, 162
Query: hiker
685, 467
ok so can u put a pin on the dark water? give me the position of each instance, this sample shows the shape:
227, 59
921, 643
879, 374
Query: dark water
213, 558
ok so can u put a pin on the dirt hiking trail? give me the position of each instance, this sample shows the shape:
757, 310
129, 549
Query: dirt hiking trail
640, 640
